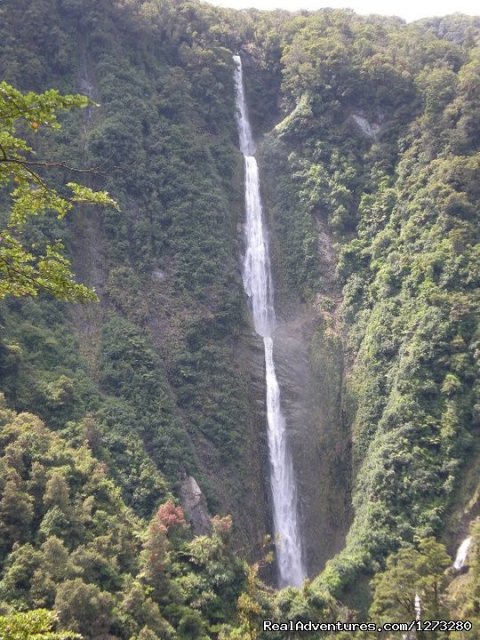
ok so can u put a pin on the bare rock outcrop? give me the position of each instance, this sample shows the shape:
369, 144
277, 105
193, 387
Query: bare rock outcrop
195, 506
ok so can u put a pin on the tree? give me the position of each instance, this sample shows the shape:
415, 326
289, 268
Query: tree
413, 577
155, 557
28, 268
16, 511
84, 607
56, 491
33, 625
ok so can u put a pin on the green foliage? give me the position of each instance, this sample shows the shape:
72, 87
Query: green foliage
27, 270
400, 203
155, 382
163, 140
73, 546
413, 577
33, 625
83, 607
464, 591
40, 362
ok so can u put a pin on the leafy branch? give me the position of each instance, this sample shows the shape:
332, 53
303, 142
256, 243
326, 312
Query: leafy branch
27, 270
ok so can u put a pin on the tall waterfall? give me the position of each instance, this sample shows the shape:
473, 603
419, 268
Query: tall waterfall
257, 279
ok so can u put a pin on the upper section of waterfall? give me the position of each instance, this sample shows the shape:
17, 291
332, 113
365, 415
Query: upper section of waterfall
257, 277
247, 146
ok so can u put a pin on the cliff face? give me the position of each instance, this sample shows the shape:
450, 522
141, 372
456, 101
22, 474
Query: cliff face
310, 362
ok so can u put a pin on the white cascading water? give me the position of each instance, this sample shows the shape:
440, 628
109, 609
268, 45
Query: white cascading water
462, 553
257, 279
418, 607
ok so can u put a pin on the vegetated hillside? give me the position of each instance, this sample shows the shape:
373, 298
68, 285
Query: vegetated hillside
378, 150
383, 148
369, 132
160, 364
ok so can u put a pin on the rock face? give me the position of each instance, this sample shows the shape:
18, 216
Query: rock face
195, 506
309, 360
309, 363
369, 129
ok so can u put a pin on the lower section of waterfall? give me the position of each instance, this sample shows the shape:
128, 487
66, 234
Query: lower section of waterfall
289, 549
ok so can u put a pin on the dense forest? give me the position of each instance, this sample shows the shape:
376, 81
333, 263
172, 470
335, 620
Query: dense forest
134, 494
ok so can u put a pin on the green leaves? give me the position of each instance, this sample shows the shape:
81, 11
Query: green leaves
36, 109
23, 273
33, 625
27, 269
86, 195
413, 577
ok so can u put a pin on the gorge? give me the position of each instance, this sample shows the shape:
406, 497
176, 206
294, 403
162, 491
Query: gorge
333, 434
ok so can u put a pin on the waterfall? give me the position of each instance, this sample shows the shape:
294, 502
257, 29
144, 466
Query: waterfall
462, 553
257, 279
418, 607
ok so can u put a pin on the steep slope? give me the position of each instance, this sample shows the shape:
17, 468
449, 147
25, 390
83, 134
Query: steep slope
69, 543
377, 147
164, 363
